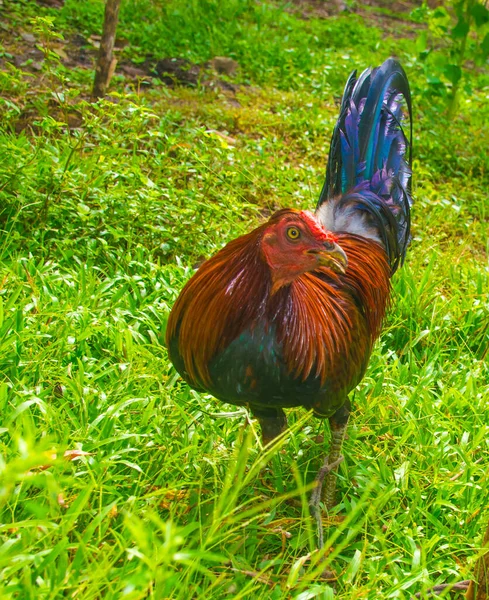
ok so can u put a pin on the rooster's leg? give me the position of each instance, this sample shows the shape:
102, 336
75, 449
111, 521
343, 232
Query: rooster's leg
326, 478
337, 423
273, 422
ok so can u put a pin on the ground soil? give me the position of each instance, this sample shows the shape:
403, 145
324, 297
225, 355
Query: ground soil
21, 48
393, 17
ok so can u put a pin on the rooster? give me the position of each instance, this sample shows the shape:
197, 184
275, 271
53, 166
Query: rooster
287, 314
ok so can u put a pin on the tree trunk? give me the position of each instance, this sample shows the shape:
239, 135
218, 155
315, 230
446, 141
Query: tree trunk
479, 588
106, 63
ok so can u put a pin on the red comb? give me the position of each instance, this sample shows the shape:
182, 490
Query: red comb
316, 228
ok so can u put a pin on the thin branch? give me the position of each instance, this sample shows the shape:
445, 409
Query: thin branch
106, 63
461, 586
255, 575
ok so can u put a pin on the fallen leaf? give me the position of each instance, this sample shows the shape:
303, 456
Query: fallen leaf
222, 136
61, 53
75, 453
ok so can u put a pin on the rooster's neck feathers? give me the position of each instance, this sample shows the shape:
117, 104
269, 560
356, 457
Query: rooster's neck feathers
312, 318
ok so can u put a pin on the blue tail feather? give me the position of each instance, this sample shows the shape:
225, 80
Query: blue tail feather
370, 156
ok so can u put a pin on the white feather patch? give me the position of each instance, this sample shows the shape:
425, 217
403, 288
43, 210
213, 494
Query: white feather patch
346, 218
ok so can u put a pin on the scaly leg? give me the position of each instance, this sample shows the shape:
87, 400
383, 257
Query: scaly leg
338, 432
272, 421
338, 423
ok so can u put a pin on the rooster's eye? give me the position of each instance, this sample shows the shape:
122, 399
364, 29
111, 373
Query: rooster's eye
293, 233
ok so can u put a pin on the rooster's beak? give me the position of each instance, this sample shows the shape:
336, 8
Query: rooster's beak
333, 257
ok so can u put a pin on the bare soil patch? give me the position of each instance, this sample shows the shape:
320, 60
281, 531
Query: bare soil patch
393, 17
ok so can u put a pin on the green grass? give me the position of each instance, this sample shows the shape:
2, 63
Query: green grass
102, 225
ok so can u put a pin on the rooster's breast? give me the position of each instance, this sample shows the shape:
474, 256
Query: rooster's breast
252, 370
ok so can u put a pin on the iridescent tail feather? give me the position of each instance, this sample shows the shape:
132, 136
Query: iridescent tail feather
368, 177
